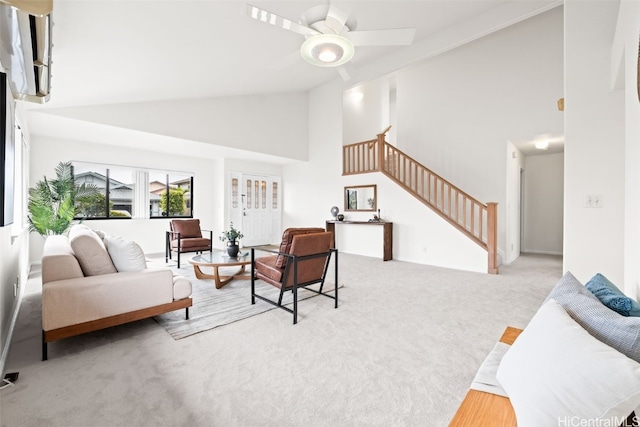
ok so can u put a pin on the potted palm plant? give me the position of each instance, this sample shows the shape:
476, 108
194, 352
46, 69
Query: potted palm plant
231, 236
52, 202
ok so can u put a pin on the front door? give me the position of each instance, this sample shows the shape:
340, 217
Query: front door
260, 209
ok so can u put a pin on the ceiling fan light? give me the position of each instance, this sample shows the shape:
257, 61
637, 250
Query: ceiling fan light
328, 53
327, 50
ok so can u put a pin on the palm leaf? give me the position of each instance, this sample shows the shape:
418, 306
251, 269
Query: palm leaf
52, 201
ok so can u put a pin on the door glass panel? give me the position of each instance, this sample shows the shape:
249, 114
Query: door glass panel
248, 194
274, 196
234, 193
257, 204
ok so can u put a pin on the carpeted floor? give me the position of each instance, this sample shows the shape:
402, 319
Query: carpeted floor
218, 307
401, 350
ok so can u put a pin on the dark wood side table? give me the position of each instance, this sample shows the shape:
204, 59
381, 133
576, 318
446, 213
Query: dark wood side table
387, 234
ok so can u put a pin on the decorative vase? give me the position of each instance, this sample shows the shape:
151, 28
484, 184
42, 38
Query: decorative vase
335, 211
340, 217
232, 249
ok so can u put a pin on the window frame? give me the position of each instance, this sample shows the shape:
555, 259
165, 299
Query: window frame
140, 207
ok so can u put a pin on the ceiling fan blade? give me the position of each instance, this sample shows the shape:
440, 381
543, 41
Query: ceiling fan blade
347, 71
276, 20
336, 19
392, 37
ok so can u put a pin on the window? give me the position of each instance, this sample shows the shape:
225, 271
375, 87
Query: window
124, 192
175, 203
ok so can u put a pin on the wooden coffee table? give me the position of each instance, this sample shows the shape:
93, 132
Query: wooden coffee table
217, 260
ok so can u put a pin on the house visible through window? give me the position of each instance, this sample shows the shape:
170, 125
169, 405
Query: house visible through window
120, 193
177, 202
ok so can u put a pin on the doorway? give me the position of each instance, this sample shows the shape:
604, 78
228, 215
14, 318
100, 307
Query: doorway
255, 207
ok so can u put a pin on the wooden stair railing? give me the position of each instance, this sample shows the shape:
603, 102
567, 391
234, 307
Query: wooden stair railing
476, 220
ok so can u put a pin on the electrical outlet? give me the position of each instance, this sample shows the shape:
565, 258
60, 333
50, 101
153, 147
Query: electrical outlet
15, 290
593, 201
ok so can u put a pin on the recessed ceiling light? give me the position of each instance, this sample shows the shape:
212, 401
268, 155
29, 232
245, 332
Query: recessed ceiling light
327, 50
542, 144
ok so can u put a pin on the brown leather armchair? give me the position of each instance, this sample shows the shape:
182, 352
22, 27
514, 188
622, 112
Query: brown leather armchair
303, 260
186, 236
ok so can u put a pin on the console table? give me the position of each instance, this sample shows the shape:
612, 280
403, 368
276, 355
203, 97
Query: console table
387, 234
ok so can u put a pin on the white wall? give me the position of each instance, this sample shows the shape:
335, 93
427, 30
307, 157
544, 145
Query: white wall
594, 144
626, 44
273, 124
456, 111
544, 195
366, 118
311, 188
14, 268
515, 163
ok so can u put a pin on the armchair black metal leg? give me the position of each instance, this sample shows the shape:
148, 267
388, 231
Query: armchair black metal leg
167, 248
295, 291
187, 313
178, 258
295, 304
44, 348
336, 280
253, 277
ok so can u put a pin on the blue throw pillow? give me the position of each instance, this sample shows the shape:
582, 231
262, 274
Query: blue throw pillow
612, 297
613, 329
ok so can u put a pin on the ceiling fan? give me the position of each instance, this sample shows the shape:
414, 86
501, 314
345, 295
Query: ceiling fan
330, 36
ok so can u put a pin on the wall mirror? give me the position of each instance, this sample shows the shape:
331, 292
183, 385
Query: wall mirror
360, 198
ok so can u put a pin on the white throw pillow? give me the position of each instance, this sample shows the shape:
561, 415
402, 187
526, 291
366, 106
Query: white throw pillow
126, 255
556, 373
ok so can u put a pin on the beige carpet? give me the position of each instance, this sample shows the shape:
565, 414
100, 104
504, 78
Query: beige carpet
401, 350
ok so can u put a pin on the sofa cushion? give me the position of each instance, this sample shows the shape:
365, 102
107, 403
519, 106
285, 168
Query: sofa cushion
287, 240
90, 251
187, 227
126, 255
611, 296
556, 372
619, 332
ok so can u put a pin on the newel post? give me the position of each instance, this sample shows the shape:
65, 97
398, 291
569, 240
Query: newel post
381, 148
492, 237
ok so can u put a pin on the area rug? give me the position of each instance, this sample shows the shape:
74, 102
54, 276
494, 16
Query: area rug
217, 307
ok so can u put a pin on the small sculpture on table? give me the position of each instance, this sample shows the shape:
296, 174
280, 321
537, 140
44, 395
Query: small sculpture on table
376, 218
334, 212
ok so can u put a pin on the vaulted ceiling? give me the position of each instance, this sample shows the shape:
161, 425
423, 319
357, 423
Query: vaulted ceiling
114, 51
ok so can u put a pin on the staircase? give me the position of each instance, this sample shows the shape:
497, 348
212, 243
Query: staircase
476, 220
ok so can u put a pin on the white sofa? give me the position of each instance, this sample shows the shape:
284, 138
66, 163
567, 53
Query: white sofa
90, 284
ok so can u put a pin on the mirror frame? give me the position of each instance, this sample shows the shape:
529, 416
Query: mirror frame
354, 187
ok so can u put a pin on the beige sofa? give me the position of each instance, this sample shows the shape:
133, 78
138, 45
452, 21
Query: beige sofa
91, 282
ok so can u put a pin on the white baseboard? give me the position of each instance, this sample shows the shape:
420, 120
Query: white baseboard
12, 325
534, 251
